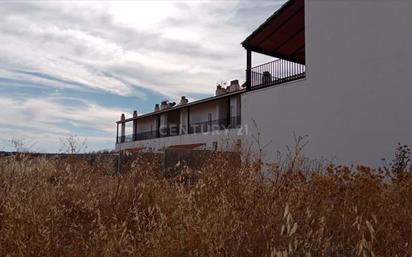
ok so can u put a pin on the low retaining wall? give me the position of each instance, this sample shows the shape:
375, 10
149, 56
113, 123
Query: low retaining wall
174, 158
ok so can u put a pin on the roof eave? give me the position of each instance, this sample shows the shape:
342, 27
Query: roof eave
268, 20
177, 107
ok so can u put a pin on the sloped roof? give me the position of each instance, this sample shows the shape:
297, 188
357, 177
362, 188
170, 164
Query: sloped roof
282, 35
179, 106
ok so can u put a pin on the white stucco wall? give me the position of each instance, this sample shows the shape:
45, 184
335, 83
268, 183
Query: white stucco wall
183, 120
199, 113
235, 107
163, 119
147, 124
355, 103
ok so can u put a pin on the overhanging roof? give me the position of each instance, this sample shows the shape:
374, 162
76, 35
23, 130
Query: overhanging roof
282, 35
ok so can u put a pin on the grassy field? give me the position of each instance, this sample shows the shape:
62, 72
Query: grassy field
54, 206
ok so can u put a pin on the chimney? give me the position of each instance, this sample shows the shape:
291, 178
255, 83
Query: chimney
134, 114
122, 117
163, 105
184, 100
234, 85
156, 108
220, 90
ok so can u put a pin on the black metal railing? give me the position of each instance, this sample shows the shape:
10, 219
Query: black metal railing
169, 131
137, 137
276, 72
235, 122
125, 138
175, 130
146, 135
120, 139
213, 125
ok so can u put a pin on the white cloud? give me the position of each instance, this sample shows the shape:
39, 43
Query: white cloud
173, 48
170, 47
45, 120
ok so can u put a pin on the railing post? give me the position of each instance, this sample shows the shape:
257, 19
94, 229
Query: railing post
134, 125
248, 70
188, 120
158, 126
117, 133
228, 121
123, 128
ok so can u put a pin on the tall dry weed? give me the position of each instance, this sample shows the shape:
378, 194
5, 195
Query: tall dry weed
71, 207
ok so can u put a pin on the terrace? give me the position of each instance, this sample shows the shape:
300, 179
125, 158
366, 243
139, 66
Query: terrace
200, 117
282, 36
275, 73
176, 130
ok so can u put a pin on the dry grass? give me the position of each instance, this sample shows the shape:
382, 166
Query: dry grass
55, 207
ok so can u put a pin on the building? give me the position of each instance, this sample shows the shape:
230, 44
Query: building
212, 123
340, 75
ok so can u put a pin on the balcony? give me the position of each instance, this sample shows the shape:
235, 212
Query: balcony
209, 126
175, 130
281, 36
275, 73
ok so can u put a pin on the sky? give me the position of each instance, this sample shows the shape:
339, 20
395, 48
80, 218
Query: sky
71, 68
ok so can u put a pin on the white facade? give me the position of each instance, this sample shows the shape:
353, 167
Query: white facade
356, 100
148, 124
204, 112
205, 125
225, 140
